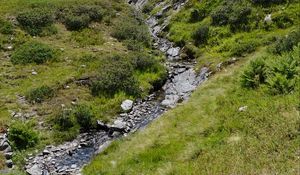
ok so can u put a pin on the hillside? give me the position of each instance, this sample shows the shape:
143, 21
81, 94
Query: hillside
149, 87
245, 118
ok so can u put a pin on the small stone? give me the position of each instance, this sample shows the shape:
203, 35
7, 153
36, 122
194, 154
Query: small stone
73, 166
9, 47
9, 163
243, 108
73, 103
3, 146
34, 73
67, 87
46, 152
268, 18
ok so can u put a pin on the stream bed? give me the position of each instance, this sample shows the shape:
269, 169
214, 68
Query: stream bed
70, 157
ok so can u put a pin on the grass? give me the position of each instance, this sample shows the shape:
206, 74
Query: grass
79, 55
208, 135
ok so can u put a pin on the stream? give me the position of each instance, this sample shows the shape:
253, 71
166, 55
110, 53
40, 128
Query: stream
70, 157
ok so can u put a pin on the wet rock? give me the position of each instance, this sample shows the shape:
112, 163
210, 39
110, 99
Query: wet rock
127, 105
46, 152
8, 155
9, 163
173, 51
4, 145
34, 170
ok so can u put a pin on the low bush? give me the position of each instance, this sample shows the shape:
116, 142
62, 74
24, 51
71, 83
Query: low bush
40, 94
286, 43
148, 8
114, 76
34, 20
283, 21
94, 12
239, 19
284, 72
22, 136
241, 48
268, 2
130, 29
144, 62
201, 35
32, 52
76, 23
84, 117
255, 74
6, 27
64, 120
197, 15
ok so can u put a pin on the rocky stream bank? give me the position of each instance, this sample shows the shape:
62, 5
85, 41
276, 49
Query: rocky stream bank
70, 157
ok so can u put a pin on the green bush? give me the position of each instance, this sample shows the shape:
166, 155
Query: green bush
201, 35
283, 21
32, 52
34, 20
94, 12
84, 117
130, 29
243, 47
144, 62
114, 76
40, 94
197, 15
286, 43
6, 27
236, 14
284, 72
268, 2
22, 136
77, 22
134, 45
64, 120
148, 8
255, 74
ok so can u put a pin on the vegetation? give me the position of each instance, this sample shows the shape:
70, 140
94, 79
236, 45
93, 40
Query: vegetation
22, 136
34, 20
40, 94
33, 52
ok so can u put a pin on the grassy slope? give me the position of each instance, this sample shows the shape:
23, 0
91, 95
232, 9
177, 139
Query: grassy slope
207, 135
18, 79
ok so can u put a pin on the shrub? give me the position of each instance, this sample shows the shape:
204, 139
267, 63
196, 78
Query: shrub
144, 62
115, 76
34, 20
6, 27
284, 72
255, 74
32, 52
130, 29
22, 136
283, 21
201, 35
197, 15
285, 44
220, 15
239, 19
40, 94
77, 22
243, 47
84, 117
94, 12
268, 2
64, 120
134, 45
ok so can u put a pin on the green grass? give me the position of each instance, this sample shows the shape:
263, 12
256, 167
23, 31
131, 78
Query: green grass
79, 54
208, 135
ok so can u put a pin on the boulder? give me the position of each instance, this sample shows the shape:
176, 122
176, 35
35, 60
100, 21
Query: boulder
9, 163
127, 105
34, 170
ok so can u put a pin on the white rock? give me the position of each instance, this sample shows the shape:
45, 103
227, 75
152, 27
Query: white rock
268, 18
243, 108
127, 105
173, 51
34, 73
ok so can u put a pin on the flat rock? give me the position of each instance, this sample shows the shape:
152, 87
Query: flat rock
127, 105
